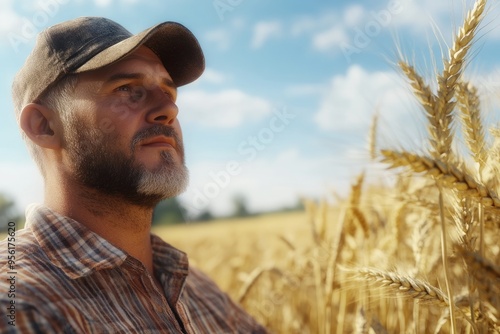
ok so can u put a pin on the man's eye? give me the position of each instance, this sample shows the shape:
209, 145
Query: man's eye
124, 88
169, 94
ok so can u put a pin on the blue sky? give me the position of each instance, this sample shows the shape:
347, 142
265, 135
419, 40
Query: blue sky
284, 108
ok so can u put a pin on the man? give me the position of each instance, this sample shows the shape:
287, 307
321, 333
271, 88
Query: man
96, 106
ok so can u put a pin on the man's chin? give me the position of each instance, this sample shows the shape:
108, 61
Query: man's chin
164, 185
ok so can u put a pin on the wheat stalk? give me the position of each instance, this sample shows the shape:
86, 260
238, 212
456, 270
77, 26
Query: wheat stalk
444, 256
253, 278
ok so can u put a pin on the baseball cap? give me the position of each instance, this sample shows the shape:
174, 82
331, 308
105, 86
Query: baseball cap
89, 43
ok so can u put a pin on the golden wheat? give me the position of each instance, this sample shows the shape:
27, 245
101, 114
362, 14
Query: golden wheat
439, 223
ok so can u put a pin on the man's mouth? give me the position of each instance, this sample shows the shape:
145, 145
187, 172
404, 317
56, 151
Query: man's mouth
160, 141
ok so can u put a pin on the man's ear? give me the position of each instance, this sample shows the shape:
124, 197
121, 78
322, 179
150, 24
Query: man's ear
40, 125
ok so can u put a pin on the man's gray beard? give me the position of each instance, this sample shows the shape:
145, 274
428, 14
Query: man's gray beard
170, 181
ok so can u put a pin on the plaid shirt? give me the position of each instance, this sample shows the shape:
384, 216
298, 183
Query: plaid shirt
70, 280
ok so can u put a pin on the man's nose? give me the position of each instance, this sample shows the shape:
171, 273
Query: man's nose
162, 109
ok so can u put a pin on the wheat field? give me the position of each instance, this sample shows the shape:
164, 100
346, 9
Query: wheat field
418, 256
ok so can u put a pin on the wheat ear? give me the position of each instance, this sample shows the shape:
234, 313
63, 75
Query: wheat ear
451, 176
408, 286
373, 136
354, 200
469, 105
448, 79
356, 188
424, 95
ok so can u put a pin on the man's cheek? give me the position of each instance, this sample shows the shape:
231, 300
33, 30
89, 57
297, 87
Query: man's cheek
106, 125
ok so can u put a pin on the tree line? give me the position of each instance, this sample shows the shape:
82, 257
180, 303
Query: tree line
167, 212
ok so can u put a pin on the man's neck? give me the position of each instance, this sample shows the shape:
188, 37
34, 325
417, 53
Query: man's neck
124, 225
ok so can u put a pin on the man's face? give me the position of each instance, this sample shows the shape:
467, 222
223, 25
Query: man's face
122, 136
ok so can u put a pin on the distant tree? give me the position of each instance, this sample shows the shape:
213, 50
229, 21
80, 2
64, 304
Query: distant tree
7, 212
240, 206
169, 211
205, 216
299, 206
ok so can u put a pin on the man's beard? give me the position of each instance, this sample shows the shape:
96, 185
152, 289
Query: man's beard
99, 165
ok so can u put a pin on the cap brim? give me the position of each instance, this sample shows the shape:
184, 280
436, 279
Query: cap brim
173, 43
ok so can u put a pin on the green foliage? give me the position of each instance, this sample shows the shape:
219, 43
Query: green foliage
7, 212
205, 216
169, 212
240, 206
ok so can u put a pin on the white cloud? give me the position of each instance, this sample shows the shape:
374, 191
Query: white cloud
107, 3
353, 15
8, 17
333, 37
434, 20
340, 31
304, 90
11, 24
220, 37
19, 27
308, 24
418, 16
212, 76
351, 99
103, 3
224, 109
263, 31
328, 30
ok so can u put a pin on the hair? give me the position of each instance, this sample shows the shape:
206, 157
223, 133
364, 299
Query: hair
58, 98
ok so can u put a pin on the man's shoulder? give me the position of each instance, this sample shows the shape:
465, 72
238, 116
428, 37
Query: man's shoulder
201, 286
197, 277
22, 261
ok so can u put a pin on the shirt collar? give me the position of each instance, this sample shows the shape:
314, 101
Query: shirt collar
69, 245
167, 258
78, 251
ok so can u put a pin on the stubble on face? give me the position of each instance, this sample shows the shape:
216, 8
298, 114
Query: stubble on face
101, 166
